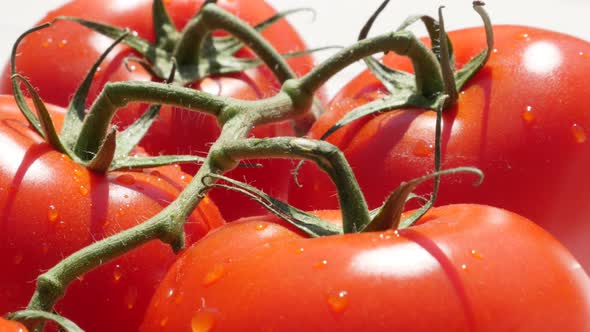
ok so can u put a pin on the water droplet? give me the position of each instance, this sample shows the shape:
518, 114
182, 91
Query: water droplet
170, 293
98, 69
52, 213
299, 250
423, 149
131, 297
126, 179
583, 55
338, 302
476, 254
117, 273
396, 233
120, 211
18, 258
213, 275
132, 68
164, 321
528, 116
156, 173
83, 190
203, 321
261, 227
321, 264
578, 133
135, 33
495, 50
524, 36
464, 267
62, 43
47, 42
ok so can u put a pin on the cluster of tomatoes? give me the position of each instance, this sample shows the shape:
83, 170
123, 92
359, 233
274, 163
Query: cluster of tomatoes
464, 266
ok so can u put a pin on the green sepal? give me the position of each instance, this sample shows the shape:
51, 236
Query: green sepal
217, 51
392, 79
306, 222
158, 57
46, 123
463, 75
388, 216
228, 64
77, 107
129, 138
388, 103
135, 162
38, 315
231, 44
433, 29
16, 89
165, 31
106, 153
450, 86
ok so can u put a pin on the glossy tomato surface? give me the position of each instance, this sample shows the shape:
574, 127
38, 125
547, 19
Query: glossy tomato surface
69, 50
519, 120
464, 268
11, 326
51, 207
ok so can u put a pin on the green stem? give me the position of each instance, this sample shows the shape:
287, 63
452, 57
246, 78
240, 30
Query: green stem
429, 81
355, 213
212, 17
119, 94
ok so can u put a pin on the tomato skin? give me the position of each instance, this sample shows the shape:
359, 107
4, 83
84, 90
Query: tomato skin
465, 267
519, 120
51, 207
11, 326
69, 50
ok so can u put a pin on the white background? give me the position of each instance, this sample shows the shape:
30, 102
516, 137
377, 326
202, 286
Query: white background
338, 21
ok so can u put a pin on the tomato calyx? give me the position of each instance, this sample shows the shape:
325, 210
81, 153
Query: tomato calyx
405, 89
110, 152
194, 52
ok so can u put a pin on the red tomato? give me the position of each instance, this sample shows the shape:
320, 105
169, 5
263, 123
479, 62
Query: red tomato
51, 207
69, 50
519, 120
464, 268
11, 326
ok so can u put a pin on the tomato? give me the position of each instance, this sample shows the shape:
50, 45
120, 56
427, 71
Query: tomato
11, 326
51, 207
519, 120
465, 267
69, 50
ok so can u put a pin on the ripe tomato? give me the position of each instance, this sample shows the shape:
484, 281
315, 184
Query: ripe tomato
51, 207
519, 120
69, 50
465, 267
11, 326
